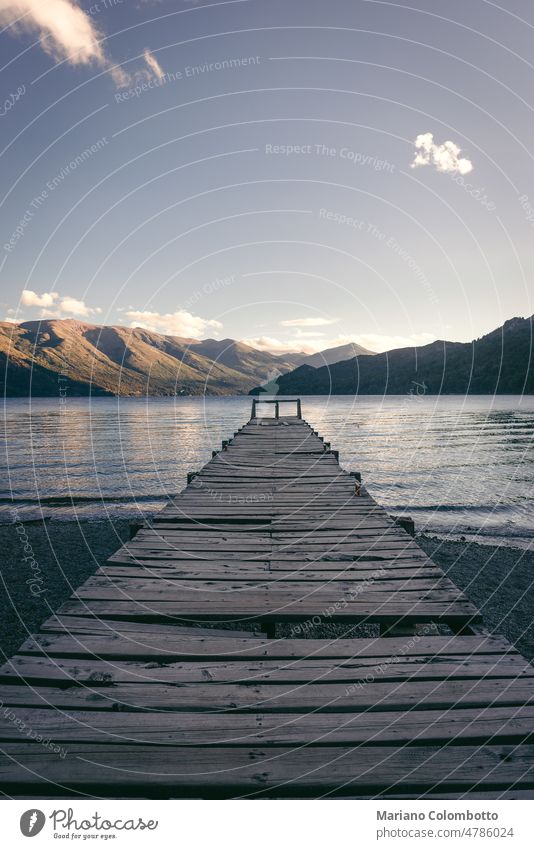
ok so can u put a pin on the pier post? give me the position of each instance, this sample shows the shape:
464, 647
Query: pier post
406, 523
134, 527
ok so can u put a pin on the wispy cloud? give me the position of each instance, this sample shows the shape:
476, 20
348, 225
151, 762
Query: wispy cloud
179, 323
153, 64
67, 32
270, 343
308, 334
372, 341
308, 322
302, 343
378, 342
54, 305
445, 157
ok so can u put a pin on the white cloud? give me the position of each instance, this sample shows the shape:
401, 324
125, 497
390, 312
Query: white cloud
66, 31
290, 346
179, 323
308, 322
32, 299
308, 334
372, 341
378, 342
153, 64
120, 77
269, 343
72, 306
446, 156
55, 305
295, 345
10, 320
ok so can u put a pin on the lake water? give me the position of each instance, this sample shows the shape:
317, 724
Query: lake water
458, 465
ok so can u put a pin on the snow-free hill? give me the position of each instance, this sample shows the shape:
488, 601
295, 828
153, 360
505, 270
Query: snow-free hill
101, 360
501, 362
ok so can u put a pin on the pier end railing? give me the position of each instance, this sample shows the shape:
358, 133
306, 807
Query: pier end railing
276, 402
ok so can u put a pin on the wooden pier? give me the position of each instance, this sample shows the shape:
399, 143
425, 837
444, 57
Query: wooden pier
188, 665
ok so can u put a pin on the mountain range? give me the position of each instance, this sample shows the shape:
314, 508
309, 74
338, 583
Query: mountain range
114, 360
102, 360
501, 362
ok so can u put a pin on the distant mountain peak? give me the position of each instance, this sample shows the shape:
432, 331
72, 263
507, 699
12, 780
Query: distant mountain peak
120, 360
501, 362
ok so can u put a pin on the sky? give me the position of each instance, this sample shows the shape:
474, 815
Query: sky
292, 173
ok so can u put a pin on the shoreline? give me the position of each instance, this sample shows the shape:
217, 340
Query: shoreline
47, 561
498, 579
105, 508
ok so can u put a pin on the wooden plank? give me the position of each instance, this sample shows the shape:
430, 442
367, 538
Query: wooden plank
207, 572
47, 671
417, 728
226, 772
167, 641
387, 566
260, 605
279, 698
172, 589
75, 625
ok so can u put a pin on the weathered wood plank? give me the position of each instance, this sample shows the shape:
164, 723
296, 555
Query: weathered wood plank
52, 671
157, 771
260, 605
417, 728
168, 641
375, 695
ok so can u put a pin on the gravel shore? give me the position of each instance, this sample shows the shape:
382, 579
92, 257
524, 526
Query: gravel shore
44, 563
498, 579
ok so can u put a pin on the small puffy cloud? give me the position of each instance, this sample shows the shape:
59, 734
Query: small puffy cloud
32, 299
179, 323
153, 64
72, 306
308, 322
54, 305
378, 342
445, 157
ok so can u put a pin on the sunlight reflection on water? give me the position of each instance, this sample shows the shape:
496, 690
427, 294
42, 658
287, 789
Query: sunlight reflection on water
455, 463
